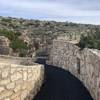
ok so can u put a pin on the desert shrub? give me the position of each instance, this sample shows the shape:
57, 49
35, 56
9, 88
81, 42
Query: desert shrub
9, 34
22, 53
91, 40
18, 45
6, 20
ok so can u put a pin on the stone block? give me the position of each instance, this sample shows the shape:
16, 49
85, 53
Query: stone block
5, 94
24, 94
4, 82
7, 99
20, 81
30, 75
5, 72
13, 70
16, 96
17, 88
25, 85
29, 70
25, 74
11, 85
2, 89
16, 76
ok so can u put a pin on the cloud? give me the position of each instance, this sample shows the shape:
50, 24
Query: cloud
59, 10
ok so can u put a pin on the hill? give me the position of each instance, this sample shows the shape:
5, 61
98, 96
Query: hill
28, 37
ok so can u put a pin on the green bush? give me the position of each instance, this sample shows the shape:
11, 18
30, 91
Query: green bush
91, 40
9, 34
6, 20
18, 45
22, 53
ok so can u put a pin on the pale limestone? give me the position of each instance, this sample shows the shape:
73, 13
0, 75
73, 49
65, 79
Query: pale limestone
16, 76
17, 88
29, 70
5, 94
29, 75
24, 86
2, 89
7, 99
16, 95
20, 81
84, 64
0, 73
11, 85
5, 72
24, 94
16, 98
25, 75
13, 70
4, 81
15, 85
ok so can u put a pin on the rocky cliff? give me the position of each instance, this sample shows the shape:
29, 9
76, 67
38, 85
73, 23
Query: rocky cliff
4, 46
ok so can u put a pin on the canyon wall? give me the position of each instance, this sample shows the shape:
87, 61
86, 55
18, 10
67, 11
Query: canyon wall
20, 82
84, 64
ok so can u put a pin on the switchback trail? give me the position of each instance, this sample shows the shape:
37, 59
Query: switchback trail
61, 85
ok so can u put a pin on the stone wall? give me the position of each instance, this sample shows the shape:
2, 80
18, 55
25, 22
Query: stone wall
84, 64
20, 82
16, 60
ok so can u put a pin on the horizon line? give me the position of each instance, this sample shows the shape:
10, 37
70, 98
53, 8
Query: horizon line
49, 20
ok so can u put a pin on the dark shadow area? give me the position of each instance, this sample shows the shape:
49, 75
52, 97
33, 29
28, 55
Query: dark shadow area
61, 85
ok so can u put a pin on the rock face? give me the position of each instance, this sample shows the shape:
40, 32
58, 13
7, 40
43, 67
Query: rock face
4, 46
84, 64
25, 37
20, 82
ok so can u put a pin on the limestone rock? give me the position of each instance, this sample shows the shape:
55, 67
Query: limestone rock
4, 46
2, 89
10, 85
5, 94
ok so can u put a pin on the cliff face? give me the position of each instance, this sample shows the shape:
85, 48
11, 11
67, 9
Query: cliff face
19, 82
4, 46
84, 64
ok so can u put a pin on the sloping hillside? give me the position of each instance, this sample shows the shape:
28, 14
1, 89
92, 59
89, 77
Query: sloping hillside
34, 35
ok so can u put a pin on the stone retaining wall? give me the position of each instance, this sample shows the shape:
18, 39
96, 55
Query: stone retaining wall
15, 60
20, 82
84, 64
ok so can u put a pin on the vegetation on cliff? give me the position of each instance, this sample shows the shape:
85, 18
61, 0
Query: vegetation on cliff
28, 36
15, 43
90, 40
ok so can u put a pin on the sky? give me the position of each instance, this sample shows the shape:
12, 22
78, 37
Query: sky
80, 11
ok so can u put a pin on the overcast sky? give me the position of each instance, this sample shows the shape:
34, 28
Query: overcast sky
81, 11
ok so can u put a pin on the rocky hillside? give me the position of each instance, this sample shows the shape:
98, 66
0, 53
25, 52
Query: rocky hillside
28, 37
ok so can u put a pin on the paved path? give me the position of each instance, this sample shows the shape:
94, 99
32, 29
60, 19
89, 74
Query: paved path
61, 85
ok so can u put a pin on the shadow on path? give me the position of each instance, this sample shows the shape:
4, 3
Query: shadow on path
61, 85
